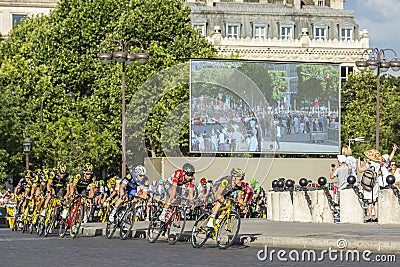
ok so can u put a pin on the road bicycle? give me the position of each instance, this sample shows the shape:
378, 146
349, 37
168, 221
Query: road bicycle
74, 217
173, 226
123, 219
53, 214
225, 230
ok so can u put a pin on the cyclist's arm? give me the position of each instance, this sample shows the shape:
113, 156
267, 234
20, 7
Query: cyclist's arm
122, 189
191, 191
16, 189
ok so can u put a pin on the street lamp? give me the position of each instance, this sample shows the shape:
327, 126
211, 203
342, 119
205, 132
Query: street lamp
124, 57
377, 60
27, 148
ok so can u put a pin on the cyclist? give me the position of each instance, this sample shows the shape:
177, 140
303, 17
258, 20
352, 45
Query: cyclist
23, 190
57, 184
259, 193
205, 191
128, 187
157, 190
111, 190
245, 196
180, 183
224, 187
83, 184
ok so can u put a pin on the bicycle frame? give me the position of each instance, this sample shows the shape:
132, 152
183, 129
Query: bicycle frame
79, 201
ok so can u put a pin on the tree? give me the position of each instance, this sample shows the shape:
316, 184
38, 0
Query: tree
45, 57
359, 111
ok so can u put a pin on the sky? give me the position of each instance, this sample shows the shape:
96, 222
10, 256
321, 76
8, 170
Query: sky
382, 19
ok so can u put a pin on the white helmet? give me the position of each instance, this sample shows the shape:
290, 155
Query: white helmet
140, 170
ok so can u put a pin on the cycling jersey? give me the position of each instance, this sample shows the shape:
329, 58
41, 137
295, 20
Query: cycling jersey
157, 189
143, 184
58, 181
59, 184
183, 185
131, 184
225, 184
23, 185
82, 184
247, 192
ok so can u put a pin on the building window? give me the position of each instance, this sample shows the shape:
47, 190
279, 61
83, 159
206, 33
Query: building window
321, 3
16, 19
232, 31
260, 32
320, 34
200, 28
346, 34
286, 33
344, 72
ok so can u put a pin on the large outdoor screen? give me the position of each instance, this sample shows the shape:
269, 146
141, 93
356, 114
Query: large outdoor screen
264, 107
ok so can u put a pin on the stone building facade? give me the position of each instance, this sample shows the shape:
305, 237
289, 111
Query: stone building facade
12, 12
282, 30
277, 30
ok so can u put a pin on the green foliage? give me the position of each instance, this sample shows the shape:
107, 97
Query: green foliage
359, 111
46, 57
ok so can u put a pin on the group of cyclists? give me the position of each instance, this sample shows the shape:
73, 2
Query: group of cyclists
34, 193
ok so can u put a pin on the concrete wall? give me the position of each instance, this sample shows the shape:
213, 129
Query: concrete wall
264, 170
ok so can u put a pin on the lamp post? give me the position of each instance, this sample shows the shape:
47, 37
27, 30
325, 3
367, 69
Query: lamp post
377, 60
124, 57
27, 148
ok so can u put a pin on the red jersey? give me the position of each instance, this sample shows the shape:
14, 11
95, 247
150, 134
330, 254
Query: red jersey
177, 178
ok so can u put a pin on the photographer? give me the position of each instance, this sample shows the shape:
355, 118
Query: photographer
340, 171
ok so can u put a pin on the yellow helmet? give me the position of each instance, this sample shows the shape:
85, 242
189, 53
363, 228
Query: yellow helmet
62, 169
28, 174
88, 169
112, 181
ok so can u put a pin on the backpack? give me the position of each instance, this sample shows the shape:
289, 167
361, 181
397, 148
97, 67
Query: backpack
368, 179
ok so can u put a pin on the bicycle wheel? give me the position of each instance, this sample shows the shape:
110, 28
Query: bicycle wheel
111, 227
51, 222
63, 225
228, 231
154, 230
40, 225
177, 226
200, 231
127, 222
76, 220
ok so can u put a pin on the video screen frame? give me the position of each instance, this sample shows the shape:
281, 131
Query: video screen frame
247, 106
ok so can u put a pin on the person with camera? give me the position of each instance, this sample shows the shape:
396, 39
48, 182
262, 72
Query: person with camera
340, 171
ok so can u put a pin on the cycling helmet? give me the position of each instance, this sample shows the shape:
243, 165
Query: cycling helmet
203, 181
140, 170
161, 181
112, 181
237, 172
188, 169
62, 169
88, 169
45, 170
252, 181
102, 182
28, 174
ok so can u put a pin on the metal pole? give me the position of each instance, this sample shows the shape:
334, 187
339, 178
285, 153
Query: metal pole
378, 90
123, 122
27, 160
